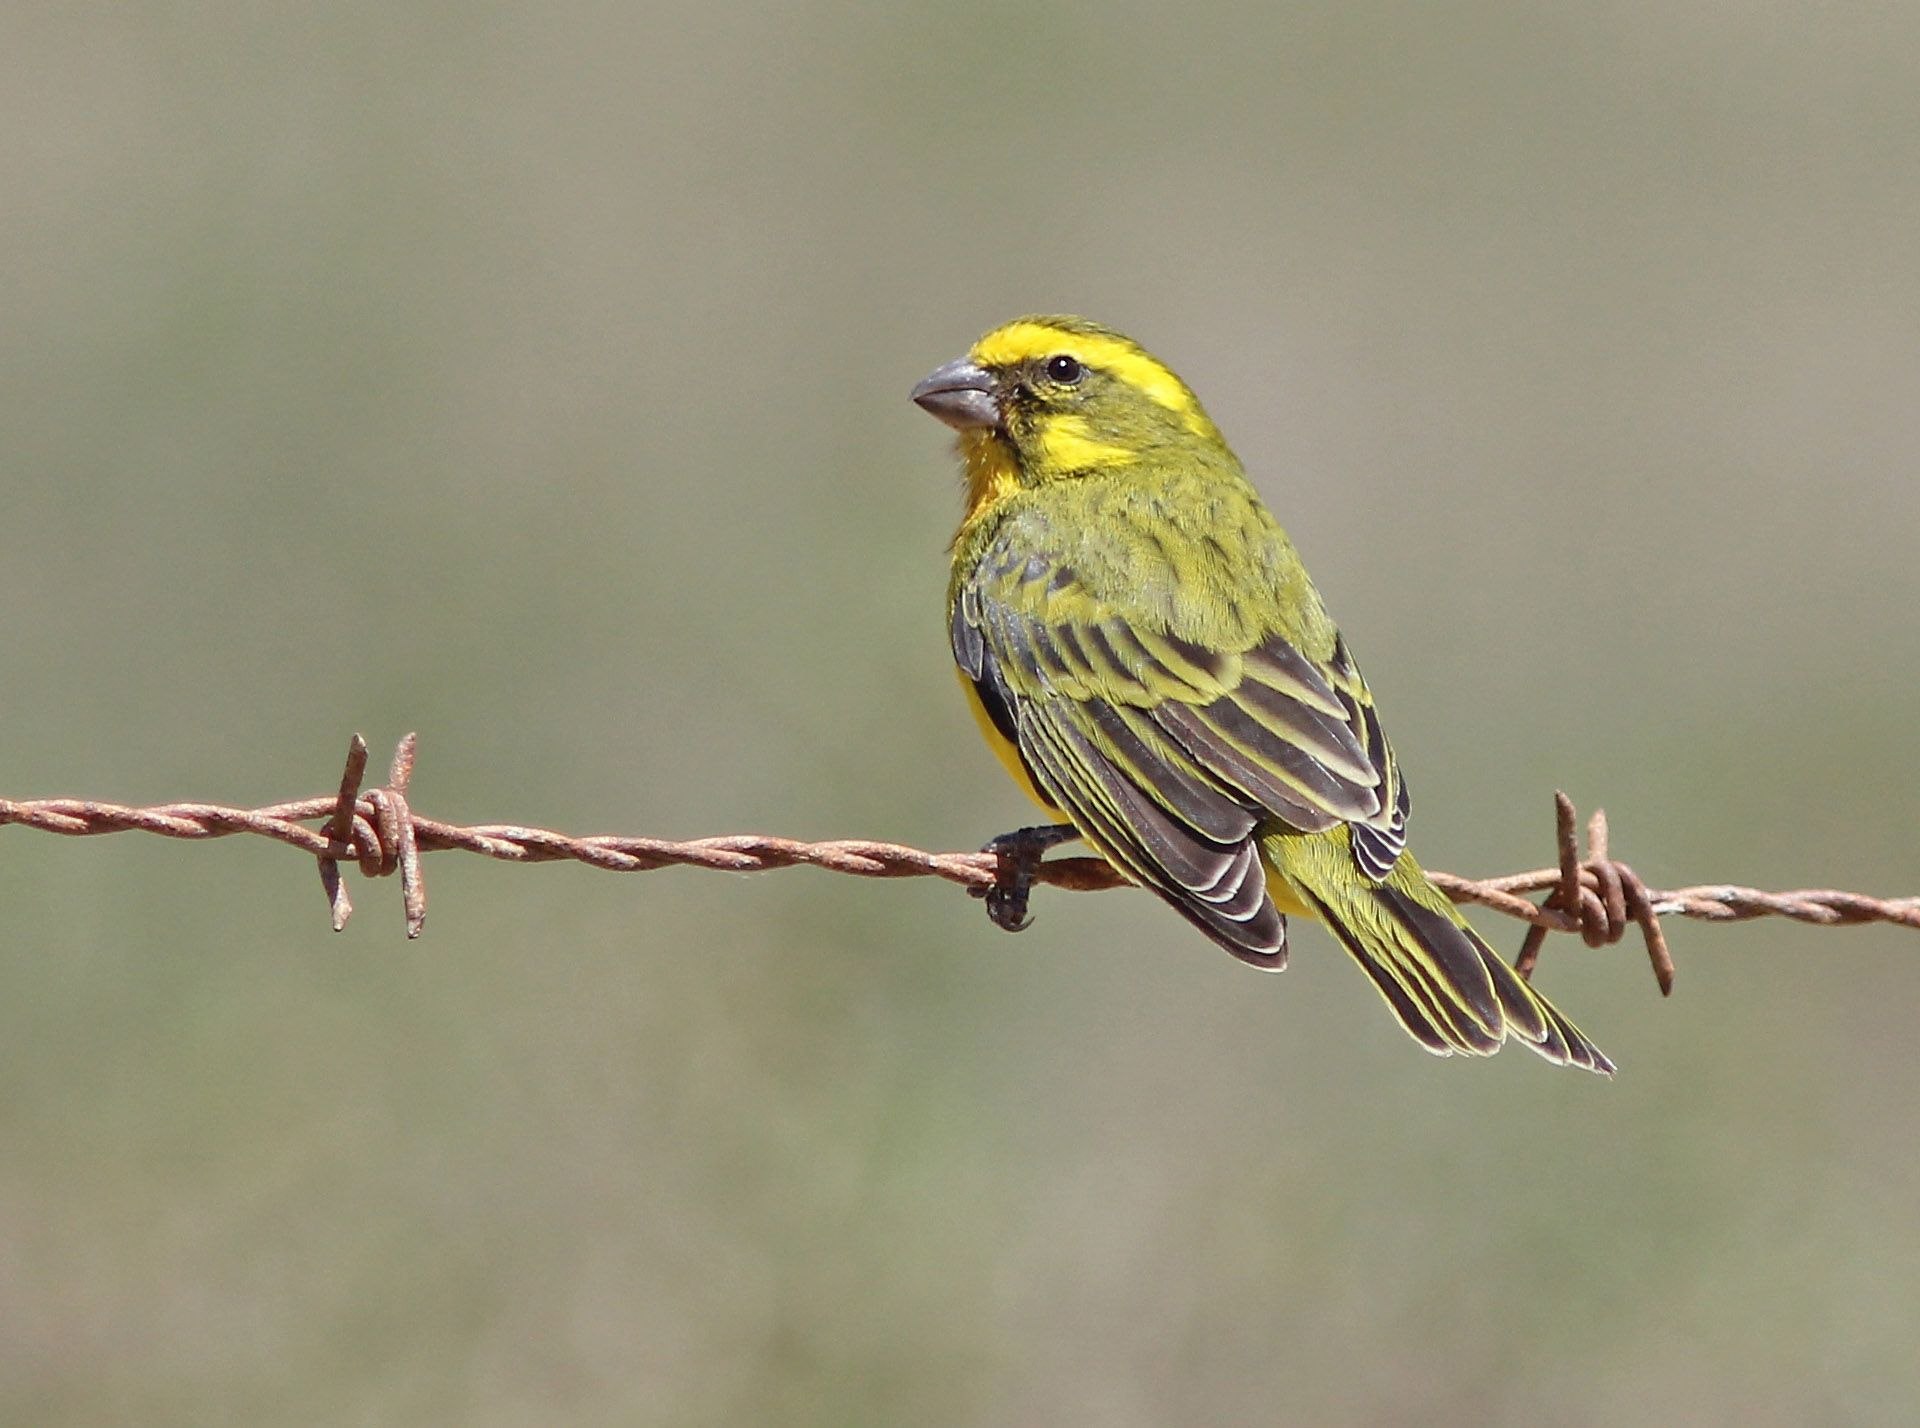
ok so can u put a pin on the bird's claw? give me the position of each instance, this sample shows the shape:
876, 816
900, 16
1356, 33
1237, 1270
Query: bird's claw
1007, 906
1018, 854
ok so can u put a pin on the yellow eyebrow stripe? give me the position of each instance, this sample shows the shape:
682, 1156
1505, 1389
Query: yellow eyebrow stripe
1023, 341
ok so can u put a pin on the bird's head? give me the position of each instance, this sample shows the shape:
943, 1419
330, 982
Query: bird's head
1047, 398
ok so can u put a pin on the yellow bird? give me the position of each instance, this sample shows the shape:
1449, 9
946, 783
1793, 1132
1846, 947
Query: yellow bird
1145, 653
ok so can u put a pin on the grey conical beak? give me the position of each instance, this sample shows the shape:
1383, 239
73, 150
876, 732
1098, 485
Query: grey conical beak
961, 395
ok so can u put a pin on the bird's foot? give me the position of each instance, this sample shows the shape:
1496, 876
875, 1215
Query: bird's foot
1018, 854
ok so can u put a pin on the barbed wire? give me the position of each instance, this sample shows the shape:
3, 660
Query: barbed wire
1596, 896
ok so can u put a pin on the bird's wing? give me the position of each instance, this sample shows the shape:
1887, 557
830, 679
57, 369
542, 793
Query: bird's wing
1169, 755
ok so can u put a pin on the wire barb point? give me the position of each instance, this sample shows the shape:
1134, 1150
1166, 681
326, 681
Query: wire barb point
376, 831
1598, 897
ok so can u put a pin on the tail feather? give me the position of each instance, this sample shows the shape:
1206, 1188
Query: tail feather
1450, 990
1432, 1008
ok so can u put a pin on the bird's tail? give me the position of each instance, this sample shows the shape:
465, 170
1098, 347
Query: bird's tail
1451, 991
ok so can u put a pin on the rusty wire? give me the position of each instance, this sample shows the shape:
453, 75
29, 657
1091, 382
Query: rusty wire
1598, 897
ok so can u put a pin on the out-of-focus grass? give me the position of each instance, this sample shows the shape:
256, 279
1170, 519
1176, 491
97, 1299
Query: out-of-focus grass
535, 379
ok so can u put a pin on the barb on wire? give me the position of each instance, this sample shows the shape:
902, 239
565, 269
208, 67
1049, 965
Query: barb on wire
1598, 897
390, 840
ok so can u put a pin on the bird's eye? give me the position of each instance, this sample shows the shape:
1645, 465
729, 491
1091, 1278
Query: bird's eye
1064, 370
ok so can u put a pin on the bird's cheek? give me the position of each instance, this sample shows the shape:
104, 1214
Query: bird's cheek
1072, 444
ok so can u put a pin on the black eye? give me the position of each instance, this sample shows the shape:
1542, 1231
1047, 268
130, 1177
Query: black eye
1064, 370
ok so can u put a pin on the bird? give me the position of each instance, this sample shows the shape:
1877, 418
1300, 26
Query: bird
1142, 648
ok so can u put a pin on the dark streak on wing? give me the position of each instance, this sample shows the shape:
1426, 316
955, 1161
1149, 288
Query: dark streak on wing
1211, 662
1376, 846
1099, 651
1328, 741
969, 649
1214, 872
1377, 841
989, 684
1276, 661
1239, 915
1241, 744
1204, 806
1258, 786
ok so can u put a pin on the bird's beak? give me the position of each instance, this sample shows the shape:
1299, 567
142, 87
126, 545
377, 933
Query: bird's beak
961, 394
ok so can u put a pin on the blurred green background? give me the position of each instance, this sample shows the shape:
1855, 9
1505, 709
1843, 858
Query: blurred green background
535, 377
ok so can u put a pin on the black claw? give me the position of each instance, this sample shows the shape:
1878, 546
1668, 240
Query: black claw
1019, 854
1007, 906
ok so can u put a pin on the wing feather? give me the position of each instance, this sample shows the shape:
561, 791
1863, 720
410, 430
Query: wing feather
1234, 910
1173, 756
1170, 776
1277, 772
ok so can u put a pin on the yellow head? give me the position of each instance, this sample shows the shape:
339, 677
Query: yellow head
1051, 398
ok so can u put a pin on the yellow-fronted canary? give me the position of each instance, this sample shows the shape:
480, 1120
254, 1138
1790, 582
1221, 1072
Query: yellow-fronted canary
1146, 654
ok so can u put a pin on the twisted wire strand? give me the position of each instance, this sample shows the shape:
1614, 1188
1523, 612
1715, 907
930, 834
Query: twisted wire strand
1595, 896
